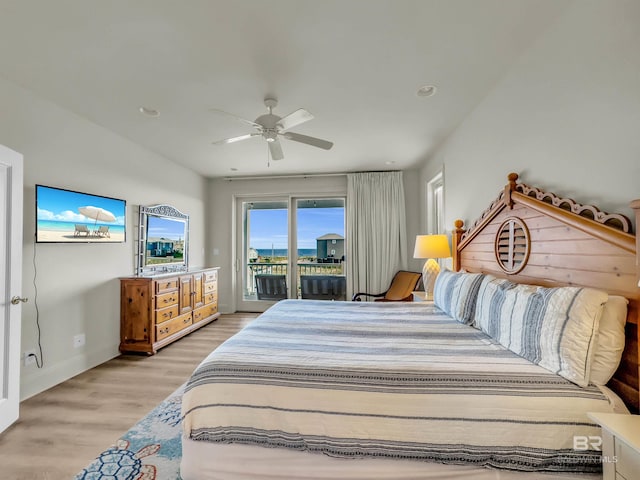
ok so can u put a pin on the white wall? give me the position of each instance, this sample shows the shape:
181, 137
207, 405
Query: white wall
221, 217
566, 117
77, 284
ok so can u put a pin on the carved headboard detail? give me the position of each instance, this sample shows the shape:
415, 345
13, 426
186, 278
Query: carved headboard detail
614, 220
531, 236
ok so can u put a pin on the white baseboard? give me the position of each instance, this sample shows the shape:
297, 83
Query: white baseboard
44, 378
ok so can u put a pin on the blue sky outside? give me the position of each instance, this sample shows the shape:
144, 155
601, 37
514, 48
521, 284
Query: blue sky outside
62, 205
269, 227
161, 227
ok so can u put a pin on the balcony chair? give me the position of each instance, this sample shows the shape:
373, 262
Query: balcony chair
323, 287
400, 290
271, 287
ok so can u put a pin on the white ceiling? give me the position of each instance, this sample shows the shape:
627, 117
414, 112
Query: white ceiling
355, 64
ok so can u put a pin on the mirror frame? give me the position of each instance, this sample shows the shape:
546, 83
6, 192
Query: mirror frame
166, 211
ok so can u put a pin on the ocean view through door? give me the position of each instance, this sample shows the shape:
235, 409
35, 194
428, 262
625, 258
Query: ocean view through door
320, 240
289, 248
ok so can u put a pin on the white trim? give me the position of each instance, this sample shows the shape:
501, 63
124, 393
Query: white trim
61, 371
435, 184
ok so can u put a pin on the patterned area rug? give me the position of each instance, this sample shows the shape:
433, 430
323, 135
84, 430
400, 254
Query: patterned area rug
150, 450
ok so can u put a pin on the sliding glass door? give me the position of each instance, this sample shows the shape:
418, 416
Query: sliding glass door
263, 261
320, 248
289, 248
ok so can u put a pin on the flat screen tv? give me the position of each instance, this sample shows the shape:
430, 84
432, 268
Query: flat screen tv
163, 241
67, 216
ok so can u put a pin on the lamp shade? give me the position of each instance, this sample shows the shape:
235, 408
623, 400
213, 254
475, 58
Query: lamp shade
432, 246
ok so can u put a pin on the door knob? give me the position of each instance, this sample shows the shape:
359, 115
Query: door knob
16, 300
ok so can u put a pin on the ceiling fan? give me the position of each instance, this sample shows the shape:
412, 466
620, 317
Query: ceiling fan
270, 126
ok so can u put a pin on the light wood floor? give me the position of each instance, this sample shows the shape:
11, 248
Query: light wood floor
64, 428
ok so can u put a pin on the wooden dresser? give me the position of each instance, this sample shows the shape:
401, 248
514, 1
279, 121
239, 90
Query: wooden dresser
158, 310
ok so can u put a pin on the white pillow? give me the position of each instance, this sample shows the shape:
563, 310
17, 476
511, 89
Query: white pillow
610, 340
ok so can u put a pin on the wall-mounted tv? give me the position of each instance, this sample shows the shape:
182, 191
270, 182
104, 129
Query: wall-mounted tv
163, 240
67, 216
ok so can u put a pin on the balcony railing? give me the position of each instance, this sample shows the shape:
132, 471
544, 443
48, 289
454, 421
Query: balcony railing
304, 268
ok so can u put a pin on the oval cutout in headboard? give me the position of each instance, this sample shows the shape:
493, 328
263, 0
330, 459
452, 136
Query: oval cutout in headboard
512, 245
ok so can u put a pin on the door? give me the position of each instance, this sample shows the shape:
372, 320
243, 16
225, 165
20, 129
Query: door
198, 290
320, 248
281, 238
262, 252
186, 294
10, 283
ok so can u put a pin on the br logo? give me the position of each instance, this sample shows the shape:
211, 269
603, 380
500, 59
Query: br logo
582, 443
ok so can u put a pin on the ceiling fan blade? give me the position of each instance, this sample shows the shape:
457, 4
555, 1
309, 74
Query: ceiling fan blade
236, 117
276, 150
295, 118
235, 139
316, 142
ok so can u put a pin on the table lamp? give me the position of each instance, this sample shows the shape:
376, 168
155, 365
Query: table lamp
431, 247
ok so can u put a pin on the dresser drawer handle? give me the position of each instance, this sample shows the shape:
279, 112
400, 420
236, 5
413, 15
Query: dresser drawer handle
186, 320
164, 330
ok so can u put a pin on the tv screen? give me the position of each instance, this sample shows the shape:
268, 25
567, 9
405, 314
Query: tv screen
66, 216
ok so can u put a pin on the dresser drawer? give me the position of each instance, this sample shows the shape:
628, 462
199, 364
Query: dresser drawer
166, 314
628, 464
211, 298
166, 285
211, 276
210, 287
172, 326
166, 300
204, 312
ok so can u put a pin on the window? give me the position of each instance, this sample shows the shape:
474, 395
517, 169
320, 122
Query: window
435, 204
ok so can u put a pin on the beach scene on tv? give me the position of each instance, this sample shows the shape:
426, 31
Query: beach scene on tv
67, 216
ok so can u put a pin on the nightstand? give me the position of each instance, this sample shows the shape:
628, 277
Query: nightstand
620, 445
420, 296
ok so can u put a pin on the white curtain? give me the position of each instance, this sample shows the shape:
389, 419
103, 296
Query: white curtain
376, 230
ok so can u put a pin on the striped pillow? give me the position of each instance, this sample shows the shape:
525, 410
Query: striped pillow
456, 293
491, 297
551, 327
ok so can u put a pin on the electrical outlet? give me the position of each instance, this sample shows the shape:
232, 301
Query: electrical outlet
78, 340
29, 357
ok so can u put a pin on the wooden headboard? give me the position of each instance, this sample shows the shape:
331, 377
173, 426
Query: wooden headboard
531, 236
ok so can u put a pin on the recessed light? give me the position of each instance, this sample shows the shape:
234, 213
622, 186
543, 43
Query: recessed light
149, 112
426, 91
390, 162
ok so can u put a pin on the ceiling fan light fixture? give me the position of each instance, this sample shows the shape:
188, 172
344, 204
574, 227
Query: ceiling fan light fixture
270, 134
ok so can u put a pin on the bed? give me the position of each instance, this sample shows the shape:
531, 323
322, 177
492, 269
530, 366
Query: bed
319, 390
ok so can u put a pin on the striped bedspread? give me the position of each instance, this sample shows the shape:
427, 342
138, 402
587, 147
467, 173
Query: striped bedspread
352, 379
